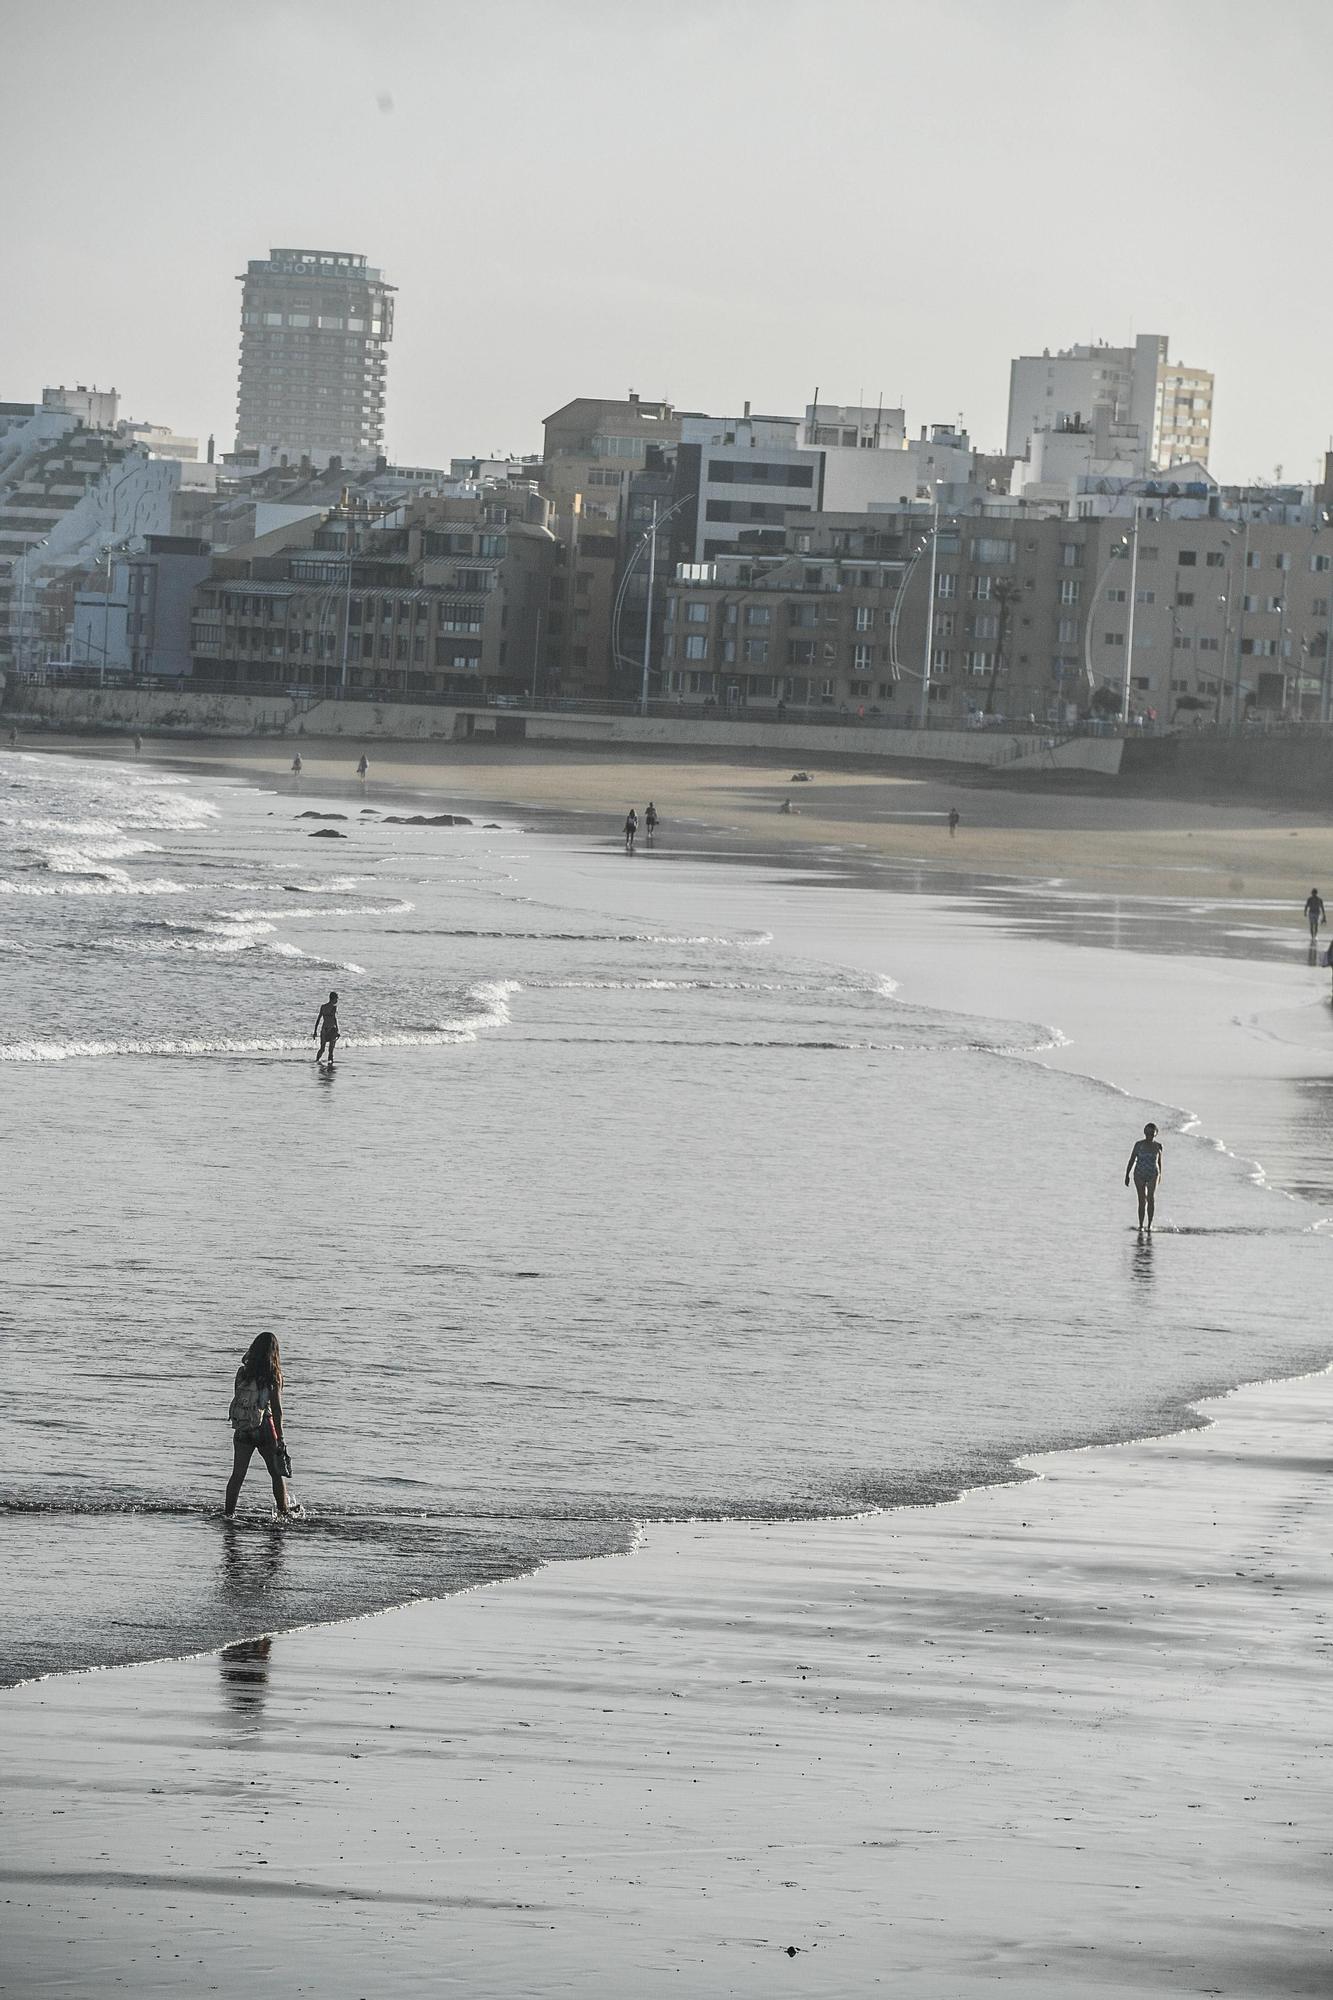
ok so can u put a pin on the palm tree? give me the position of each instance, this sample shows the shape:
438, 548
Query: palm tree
1006, 594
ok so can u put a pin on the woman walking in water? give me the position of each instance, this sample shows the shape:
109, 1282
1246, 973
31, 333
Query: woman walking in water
1145, 1163
256, 1420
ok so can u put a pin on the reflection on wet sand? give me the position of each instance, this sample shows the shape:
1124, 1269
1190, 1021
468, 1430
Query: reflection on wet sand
245, 1676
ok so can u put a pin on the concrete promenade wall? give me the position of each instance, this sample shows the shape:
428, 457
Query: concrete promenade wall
1281, 769
158, 712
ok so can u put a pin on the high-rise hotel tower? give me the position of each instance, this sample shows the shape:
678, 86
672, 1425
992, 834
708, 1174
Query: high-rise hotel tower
314, 328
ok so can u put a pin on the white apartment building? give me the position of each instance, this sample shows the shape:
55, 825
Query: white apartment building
1159, 410
743, 475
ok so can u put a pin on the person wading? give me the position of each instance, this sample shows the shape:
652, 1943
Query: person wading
256, 1421
1145, 1163
326, 1027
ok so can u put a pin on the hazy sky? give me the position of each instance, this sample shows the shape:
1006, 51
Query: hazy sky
703, 199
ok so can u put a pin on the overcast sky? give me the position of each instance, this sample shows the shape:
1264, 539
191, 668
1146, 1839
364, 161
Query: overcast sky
707, 200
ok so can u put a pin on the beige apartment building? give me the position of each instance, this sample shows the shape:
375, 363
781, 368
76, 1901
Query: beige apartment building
593, 448
446, 600
1183, 418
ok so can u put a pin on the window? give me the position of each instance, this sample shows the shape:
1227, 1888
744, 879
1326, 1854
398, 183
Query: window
1069, 590
1071, 555
758, 614
941, 660
1210, 645
1182, 642
756, 652
800, 652
1147, 554
977, 663
1319, 607
1249, 604
1215, 559
1145, 597
984, 626
493, 545
1260, 649
695, 612
1114, 596
1320, 563
298, 319
865, 617
1184, 599
803, 615
1113, 638
1187, 558
1066, 631
988, 549
946, 584
863, 660
979, 588
1253, 559
1273, 604
944, 625
695, 646
1282, 561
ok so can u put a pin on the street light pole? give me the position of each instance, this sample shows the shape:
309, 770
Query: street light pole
1240, 623
928, 657
1129, 622
648, 613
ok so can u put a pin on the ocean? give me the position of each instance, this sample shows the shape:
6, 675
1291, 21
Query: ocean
640, 1190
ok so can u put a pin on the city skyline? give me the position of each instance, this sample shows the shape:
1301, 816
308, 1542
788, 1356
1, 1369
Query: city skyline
545, 243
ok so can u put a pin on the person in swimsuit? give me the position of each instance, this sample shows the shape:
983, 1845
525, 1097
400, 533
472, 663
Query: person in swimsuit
650, 821
954, 817
256, 1419
631, 830
296, 765
362, 768
326, 1027
1314, 913
1145, 1163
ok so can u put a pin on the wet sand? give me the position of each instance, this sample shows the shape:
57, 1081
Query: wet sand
1063, 1737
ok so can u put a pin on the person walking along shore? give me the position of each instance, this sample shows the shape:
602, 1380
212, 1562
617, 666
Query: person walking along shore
256, 1421
326, 1027
1145, 1163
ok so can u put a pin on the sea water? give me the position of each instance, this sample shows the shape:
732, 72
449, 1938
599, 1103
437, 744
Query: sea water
602, 1216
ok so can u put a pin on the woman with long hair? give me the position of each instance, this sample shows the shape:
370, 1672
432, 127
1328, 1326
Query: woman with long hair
256, 1420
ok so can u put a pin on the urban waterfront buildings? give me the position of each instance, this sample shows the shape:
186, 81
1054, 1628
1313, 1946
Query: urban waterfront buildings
315, 325
1155, 412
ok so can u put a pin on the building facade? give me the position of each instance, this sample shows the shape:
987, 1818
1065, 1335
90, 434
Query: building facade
447, 599
315, 326
1160, 411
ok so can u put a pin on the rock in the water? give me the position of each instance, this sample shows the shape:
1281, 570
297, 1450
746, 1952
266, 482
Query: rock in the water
315, 815
326, 833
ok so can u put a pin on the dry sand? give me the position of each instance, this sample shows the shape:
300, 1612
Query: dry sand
1066, 1737
1089, 831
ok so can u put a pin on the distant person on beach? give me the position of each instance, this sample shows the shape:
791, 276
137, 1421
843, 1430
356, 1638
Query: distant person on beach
326, 1027
362, 768
13, 739
296, 765
1314, 913
954, 817
1145, 1163
631, 830
138, 745
650, 821
256, 1421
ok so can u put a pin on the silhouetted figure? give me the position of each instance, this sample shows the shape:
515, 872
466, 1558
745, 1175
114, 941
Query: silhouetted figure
954, 817
1145, 1163
326, 1027
1314, 913
650, 822
362, 768
256, 1421
631, 830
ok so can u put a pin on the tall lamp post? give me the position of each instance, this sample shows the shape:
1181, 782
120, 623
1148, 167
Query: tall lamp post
1128, 677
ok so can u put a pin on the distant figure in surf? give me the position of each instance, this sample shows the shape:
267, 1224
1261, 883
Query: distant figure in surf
1145, 1163
326, 1027
362, 768
1314, 913
954, 817
138, 745
296, 767
13, 739
631, 830
650, 822
256, 1421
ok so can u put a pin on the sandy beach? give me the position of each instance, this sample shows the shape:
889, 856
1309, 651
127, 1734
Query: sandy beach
1089, 830
1062, 1736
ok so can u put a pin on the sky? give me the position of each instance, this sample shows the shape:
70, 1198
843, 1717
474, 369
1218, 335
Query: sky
704, 200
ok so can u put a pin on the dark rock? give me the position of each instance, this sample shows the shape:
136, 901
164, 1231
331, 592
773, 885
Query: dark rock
315, 815
326, 833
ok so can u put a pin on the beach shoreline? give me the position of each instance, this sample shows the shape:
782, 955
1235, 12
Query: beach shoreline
832, 1733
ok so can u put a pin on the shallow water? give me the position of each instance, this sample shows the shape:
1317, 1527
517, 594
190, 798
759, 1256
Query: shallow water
603, 1215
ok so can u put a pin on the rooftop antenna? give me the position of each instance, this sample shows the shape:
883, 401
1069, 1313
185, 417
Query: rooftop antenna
879, 418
